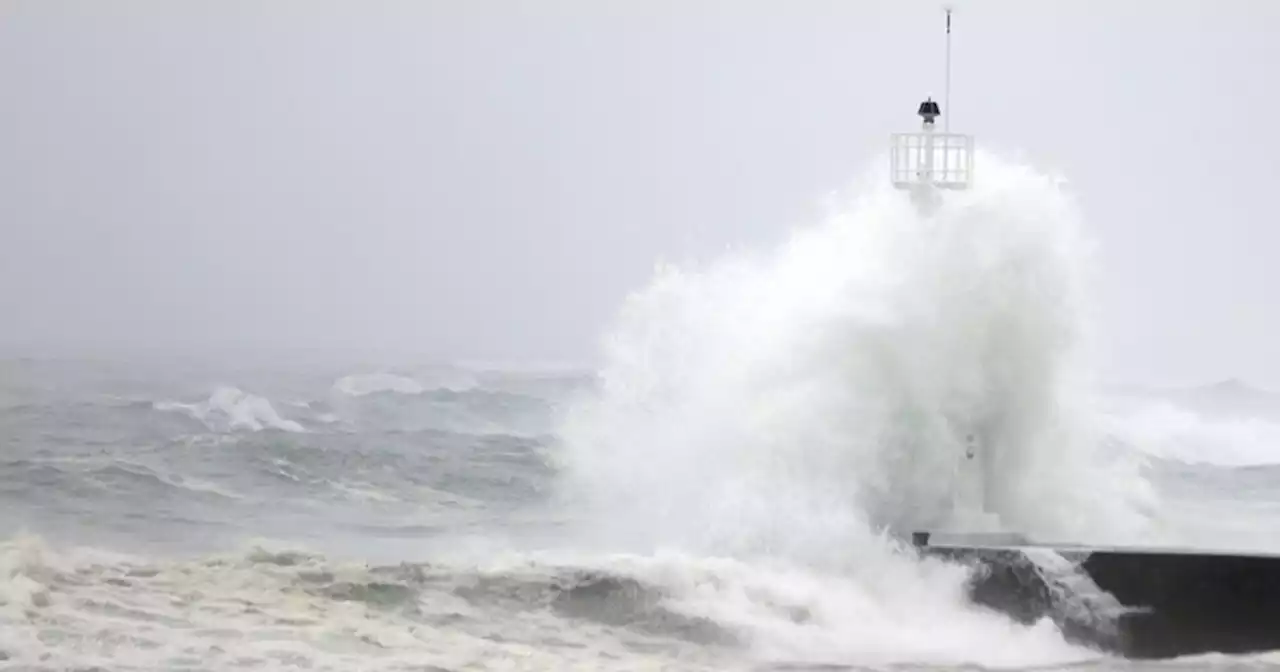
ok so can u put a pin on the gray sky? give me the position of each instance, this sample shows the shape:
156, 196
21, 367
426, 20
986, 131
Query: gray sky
487, 179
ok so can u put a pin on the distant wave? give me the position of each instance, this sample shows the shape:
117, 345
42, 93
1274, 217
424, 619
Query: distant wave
399, 404
360, 385
1167, 431
231, 408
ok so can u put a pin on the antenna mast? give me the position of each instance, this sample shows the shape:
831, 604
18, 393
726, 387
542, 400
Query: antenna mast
946, 94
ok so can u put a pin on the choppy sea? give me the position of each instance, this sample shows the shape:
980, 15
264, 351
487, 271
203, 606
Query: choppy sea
723, 491
177, 516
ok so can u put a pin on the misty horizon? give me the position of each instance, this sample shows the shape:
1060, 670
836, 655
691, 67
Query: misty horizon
489, 181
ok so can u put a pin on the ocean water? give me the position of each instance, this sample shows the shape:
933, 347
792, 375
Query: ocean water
721, 492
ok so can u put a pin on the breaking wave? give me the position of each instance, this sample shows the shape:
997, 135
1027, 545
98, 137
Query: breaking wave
829, 385
230, 408
806, 405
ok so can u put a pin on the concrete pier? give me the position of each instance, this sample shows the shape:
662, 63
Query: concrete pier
1135, 602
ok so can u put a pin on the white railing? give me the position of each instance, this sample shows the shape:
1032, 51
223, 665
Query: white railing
944, 160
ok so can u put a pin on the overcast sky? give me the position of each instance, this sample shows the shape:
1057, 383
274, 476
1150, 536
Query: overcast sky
487, 179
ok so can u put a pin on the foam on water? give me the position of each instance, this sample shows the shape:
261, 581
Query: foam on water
790, 405
264, 608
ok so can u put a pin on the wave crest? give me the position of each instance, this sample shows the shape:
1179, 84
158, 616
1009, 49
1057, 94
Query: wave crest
229, 408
